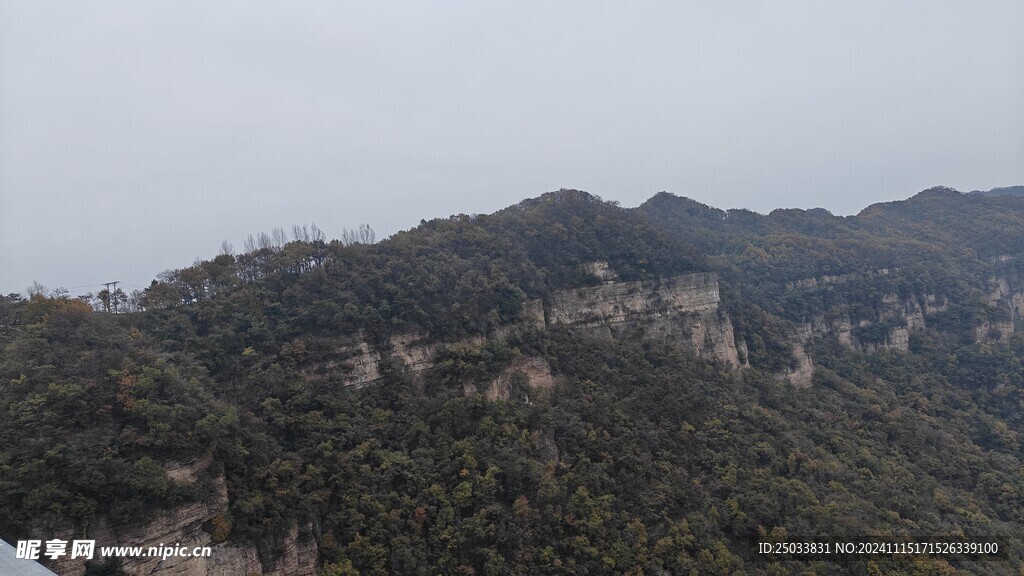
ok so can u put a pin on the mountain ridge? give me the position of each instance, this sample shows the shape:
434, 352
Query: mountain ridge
557, 387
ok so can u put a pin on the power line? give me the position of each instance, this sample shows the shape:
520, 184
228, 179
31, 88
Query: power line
82, 286
103, 284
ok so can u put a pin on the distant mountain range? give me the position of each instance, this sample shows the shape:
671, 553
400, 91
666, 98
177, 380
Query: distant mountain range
1004, 191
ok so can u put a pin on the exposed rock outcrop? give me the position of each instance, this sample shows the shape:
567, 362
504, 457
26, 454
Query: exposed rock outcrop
827, 279
188, 473
620, 302
298, 556
713, 337
821, 325
896, 318
601, 271
179, 526
802, 374
535, 372
685, 309
901, 317
184, 527
359, 363
1007, 296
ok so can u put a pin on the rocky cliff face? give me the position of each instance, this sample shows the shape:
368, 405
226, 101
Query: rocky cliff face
685, 309
184, 526
1006, 294
801, 374
619, 302
532, 372
897, 318
359, 364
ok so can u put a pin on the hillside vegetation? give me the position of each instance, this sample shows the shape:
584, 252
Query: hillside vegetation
643, 458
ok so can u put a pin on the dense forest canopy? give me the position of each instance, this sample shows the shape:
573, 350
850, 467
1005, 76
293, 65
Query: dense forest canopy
644, 458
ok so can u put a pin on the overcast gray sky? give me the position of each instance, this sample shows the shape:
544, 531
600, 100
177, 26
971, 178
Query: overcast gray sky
135, 136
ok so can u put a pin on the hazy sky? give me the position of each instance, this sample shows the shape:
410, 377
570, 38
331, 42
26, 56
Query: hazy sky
135, 136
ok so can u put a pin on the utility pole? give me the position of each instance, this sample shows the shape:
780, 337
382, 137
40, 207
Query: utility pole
111, 289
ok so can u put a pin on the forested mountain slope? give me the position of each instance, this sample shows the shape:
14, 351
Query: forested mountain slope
561, 387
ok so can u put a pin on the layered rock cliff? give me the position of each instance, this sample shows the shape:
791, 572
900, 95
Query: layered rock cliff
683, 309
687, 310
1006, 295
895, 318
187, 527
532, 372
